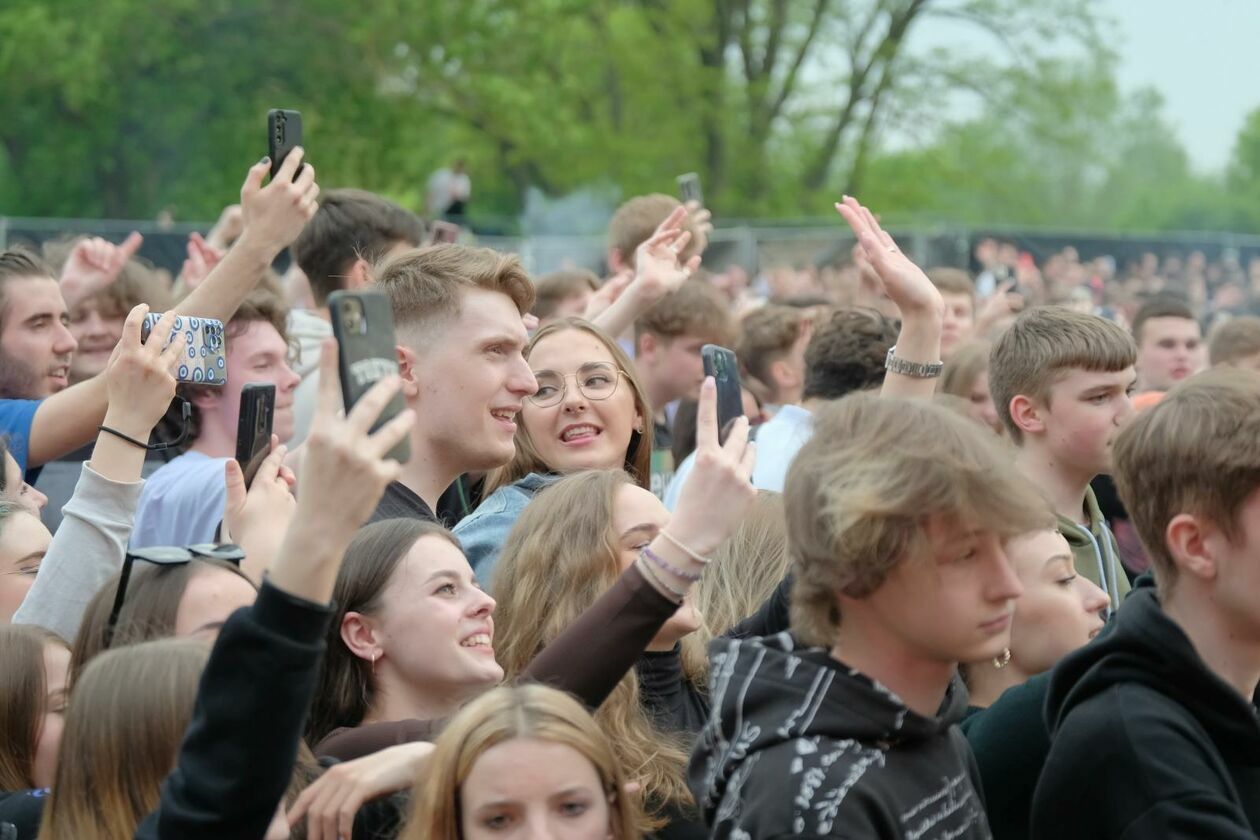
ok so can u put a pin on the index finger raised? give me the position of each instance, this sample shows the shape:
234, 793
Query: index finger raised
706, 416
290, 164
329, 400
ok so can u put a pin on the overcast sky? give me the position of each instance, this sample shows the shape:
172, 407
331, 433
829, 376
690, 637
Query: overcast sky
1203, 56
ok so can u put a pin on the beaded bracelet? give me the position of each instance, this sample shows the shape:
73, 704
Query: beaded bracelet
651, 575
699, 558
669, 567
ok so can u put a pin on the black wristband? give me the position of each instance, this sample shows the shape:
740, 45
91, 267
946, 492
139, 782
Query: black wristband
127, 438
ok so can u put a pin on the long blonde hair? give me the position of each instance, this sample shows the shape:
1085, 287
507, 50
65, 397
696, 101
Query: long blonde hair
504, 714
126, 720
745, 572
559, 558
638, 461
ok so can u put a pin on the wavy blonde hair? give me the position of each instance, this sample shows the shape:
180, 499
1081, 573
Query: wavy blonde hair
743, 574
501, 715
559, 558
638, 461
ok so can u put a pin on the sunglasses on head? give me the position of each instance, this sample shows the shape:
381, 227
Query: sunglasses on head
166, 556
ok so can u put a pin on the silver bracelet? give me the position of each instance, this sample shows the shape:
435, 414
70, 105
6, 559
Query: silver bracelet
915, 370
699, 558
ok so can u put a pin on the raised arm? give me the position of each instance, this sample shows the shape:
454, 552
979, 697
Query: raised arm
237, 756
658, 272
89, 546
922, 309
274, 216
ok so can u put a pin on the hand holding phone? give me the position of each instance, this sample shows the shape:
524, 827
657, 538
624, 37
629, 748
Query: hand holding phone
284, 134
721, 364
253, 427
363, 324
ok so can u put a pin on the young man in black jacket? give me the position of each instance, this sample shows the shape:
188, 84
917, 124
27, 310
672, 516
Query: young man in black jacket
1154, 727
897, 511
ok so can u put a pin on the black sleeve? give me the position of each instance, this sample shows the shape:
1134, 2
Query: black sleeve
670, 700
771, 618
238, 752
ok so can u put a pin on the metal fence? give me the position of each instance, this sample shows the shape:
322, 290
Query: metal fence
754, 246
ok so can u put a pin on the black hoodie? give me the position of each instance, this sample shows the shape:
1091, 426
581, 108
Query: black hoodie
800, 745
1146, 741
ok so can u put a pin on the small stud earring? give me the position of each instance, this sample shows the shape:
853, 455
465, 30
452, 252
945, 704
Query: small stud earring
1002, 661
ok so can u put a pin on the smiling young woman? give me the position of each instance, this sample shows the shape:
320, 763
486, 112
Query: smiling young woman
590, 412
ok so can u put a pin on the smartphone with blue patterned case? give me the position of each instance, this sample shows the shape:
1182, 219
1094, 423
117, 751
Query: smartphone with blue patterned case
204, 361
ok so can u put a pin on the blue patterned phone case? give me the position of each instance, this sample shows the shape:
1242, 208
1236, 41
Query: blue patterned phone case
204, 362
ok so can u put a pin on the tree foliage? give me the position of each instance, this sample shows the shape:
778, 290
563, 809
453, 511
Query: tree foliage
966, 110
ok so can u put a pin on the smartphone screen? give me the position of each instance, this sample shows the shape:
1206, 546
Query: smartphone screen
284, 134
721, 364
253, 427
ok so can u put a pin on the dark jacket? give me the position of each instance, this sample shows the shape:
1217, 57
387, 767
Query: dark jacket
800, 745
237, 757
1146, 741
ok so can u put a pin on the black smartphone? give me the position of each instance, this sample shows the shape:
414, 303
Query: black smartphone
253, 427
363, 324
443, 233
721, 364
689, 188
284, 134
205, 359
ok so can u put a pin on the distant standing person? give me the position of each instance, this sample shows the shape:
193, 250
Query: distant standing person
448, 192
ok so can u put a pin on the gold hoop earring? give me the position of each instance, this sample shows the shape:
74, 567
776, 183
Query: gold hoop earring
1002, 661
375, 655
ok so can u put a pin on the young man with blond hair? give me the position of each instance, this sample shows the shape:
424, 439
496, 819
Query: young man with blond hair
1062, 382
1236, 343
458, 322
1154, 725
845, 727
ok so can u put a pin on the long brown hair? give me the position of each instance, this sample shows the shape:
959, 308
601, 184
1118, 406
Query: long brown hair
638, 461
148, 611
23, 700
126, 721
346, 688
745, 572
558, 559
526, 711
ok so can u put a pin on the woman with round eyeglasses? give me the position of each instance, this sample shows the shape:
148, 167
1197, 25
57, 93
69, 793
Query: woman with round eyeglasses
590, 412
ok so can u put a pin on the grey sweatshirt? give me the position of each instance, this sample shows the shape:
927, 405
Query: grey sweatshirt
86, 551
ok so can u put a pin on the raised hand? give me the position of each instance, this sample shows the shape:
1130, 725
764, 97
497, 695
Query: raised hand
229, 226
330, 803
904, 281
202, 258
140, 377
701, 223
274, 215
719, 489
658, 267
94, 264
256, 518
607, 294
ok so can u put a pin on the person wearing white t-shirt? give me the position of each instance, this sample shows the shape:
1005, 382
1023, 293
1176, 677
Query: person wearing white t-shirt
847, 353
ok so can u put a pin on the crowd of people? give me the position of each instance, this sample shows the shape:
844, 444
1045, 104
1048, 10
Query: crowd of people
977, 561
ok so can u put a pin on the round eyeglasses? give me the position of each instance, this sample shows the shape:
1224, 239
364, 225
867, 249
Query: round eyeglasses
595, 381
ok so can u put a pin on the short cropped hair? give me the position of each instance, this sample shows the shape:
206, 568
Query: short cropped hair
555, 288
426, 285
350, 224
953, 281
695, 309
847, 353
863, 488
1162, 306
766, 336
1044, 343
636, 220
1196, 451
1234, 339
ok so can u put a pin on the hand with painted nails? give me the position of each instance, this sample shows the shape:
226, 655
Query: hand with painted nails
274, 215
